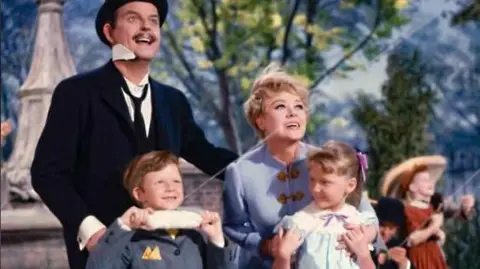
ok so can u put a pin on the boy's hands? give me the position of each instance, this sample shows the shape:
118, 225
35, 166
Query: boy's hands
212, 226
136, 218
399, 256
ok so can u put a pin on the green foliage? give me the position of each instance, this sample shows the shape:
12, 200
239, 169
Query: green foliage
217, 48
314, 122
395, 125
463, 242
470, 13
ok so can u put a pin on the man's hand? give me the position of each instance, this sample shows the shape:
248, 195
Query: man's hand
92, 242
399, 256
467, 203
212, 226
136, 218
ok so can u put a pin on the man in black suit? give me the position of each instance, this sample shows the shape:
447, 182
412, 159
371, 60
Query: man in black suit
98, 121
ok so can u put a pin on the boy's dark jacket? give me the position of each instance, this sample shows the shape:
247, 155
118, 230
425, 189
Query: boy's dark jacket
140, 249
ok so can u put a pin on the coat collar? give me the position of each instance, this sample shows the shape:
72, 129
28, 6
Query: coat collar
111, 81
300, 156
160, 235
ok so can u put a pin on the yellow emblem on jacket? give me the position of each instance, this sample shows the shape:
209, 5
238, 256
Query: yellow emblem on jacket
151, 254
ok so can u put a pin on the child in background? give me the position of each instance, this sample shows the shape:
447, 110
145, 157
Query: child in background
392, 220
154, 181
337, 173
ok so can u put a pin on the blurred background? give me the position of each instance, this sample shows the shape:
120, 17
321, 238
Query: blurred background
396, 78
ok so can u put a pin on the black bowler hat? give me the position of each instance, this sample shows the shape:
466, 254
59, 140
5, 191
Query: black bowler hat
107, 11
391, 210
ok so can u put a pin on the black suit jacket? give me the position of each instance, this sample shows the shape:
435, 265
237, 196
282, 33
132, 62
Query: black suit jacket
88, 140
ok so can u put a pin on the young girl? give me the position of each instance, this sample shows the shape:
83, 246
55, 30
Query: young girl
337, 173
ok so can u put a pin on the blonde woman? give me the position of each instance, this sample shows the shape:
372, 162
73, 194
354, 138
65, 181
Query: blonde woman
272, 180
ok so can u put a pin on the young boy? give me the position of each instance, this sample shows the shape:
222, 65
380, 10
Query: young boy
155, 183
391, 218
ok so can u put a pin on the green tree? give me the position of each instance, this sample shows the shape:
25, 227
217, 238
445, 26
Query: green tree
467, 14
216, 48
395, 125
463, 242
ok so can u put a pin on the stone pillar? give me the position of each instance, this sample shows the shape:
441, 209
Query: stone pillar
6, 128
51, 63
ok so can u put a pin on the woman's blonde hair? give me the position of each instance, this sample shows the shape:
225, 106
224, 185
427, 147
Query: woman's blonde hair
339, 158
272, 80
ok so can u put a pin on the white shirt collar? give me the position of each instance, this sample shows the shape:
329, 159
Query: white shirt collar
136, 89
142, 83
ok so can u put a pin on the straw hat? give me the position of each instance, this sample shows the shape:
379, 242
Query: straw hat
398, 176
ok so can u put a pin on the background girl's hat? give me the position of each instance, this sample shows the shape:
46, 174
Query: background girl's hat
390, 210
107, 11
391, 182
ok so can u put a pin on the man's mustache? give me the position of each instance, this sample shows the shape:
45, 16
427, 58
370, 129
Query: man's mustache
151, 37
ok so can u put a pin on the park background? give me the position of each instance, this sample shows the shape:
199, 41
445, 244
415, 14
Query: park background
396, 78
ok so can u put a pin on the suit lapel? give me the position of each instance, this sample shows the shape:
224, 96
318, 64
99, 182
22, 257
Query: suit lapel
111, 83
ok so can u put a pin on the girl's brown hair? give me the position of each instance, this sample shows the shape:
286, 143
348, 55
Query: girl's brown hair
336, 157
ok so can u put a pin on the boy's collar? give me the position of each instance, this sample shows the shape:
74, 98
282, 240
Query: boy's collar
162, 234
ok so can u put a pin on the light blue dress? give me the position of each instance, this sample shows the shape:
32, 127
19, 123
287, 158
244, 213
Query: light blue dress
320, 230
256, 197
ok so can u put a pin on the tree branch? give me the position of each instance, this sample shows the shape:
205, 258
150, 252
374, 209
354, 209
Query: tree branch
215, 19
167, 56
225, 115
189, 70
357, 48
271, 48
286, 50
311, 12
216, 53
327, 3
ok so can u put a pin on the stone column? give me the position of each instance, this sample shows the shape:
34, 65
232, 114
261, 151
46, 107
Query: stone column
51, 63
6, 128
